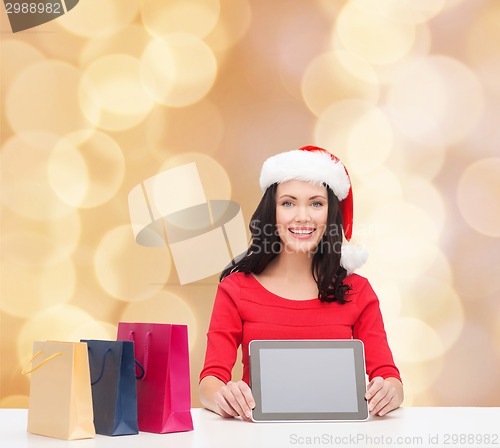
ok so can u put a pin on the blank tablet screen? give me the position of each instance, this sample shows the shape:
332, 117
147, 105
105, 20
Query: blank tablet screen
328, 374
308, 380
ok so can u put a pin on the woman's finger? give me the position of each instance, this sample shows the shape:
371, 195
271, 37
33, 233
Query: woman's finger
374, 386
238, 391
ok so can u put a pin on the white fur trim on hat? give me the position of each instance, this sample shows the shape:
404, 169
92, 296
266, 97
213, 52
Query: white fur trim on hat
352, 257
312, 166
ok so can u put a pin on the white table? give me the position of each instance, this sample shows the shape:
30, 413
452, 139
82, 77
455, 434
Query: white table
412, 427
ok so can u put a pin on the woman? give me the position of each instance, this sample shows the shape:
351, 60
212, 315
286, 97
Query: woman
296, 281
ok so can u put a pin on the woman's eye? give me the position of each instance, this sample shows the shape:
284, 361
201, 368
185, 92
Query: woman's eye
287, 204
317, 204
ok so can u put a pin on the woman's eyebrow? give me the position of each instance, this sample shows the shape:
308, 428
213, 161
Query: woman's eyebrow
293, 197
317, 196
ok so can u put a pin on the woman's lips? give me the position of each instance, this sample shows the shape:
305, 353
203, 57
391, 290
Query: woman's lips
301, 233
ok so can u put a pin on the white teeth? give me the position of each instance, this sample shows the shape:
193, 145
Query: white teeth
301, 232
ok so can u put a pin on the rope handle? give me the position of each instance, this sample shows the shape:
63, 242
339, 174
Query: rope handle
137, 377
138, 364
45, 361
102, 367
147, 343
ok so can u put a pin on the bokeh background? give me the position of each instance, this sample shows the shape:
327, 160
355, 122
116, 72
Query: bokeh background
406, 93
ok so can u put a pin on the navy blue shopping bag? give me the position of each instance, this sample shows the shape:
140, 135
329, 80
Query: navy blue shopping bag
114, 393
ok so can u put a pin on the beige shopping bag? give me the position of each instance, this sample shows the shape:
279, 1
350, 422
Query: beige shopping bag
60, 403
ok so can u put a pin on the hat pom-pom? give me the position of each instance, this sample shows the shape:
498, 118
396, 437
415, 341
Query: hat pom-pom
352, 257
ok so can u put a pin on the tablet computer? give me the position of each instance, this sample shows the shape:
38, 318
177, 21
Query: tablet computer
308, 380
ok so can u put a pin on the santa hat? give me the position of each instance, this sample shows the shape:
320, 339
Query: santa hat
317, 165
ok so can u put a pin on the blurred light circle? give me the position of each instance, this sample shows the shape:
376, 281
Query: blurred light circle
112, 86
475, 262
333, 127
481, 46
29, 289
420, 375
375, 38
335, 76
418, 158
436, 100
422, 193
359, 130
378, 189
409, 395
50, 86
416, 341
127, 270
28, 247
33, 199
56, 323
24, 182
389, 295
65, 48
404, 11
168, 128
20, 56
94, 329
441, 268
472, 356
415, 125
178, 70
438, 304
287, 49
214, 178
86, 170
234, 21
370, 141
130, 40
165, 307
95, 18
39, 243
421, 47
180, 16
406, 244
478, 196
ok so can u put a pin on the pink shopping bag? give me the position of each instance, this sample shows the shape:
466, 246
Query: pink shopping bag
163, 388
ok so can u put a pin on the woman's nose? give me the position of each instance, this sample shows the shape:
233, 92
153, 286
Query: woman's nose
302, 215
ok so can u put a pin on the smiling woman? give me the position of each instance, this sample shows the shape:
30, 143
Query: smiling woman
297, 281
301, 215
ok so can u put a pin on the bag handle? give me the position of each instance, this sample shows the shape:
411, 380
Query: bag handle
141, 376
104, 365
147, 343
45, 361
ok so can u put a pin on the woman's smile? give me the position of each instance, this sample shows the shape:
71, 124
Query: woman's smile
302, 233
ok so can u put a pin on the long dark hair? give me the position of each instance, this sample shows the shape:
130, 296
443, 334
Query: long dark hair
266, 244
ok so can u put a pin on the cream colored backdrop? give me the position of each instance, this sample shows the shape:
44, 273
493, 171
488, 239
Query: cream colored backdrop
406, 93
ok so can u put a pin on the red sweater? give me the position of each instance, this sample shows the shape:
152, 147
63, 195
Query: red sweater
244, 311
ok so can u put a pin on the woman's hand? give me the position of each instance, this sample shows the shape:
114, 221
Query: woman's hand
235, 399
384, 395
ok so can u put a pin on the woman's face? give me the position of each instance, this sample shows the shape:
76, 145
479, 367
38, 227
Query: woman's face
301, 215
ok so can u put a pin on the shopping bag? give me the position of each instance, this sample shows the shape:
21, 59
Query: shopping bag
163, 392
114, 396
60, 402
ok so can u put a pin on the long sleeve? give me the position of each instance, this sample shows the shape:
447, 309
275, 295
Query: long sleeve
369, 327
224, 334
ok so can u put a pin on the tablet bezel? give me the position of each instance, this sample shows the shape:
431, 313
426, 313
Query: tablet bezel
359, 366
